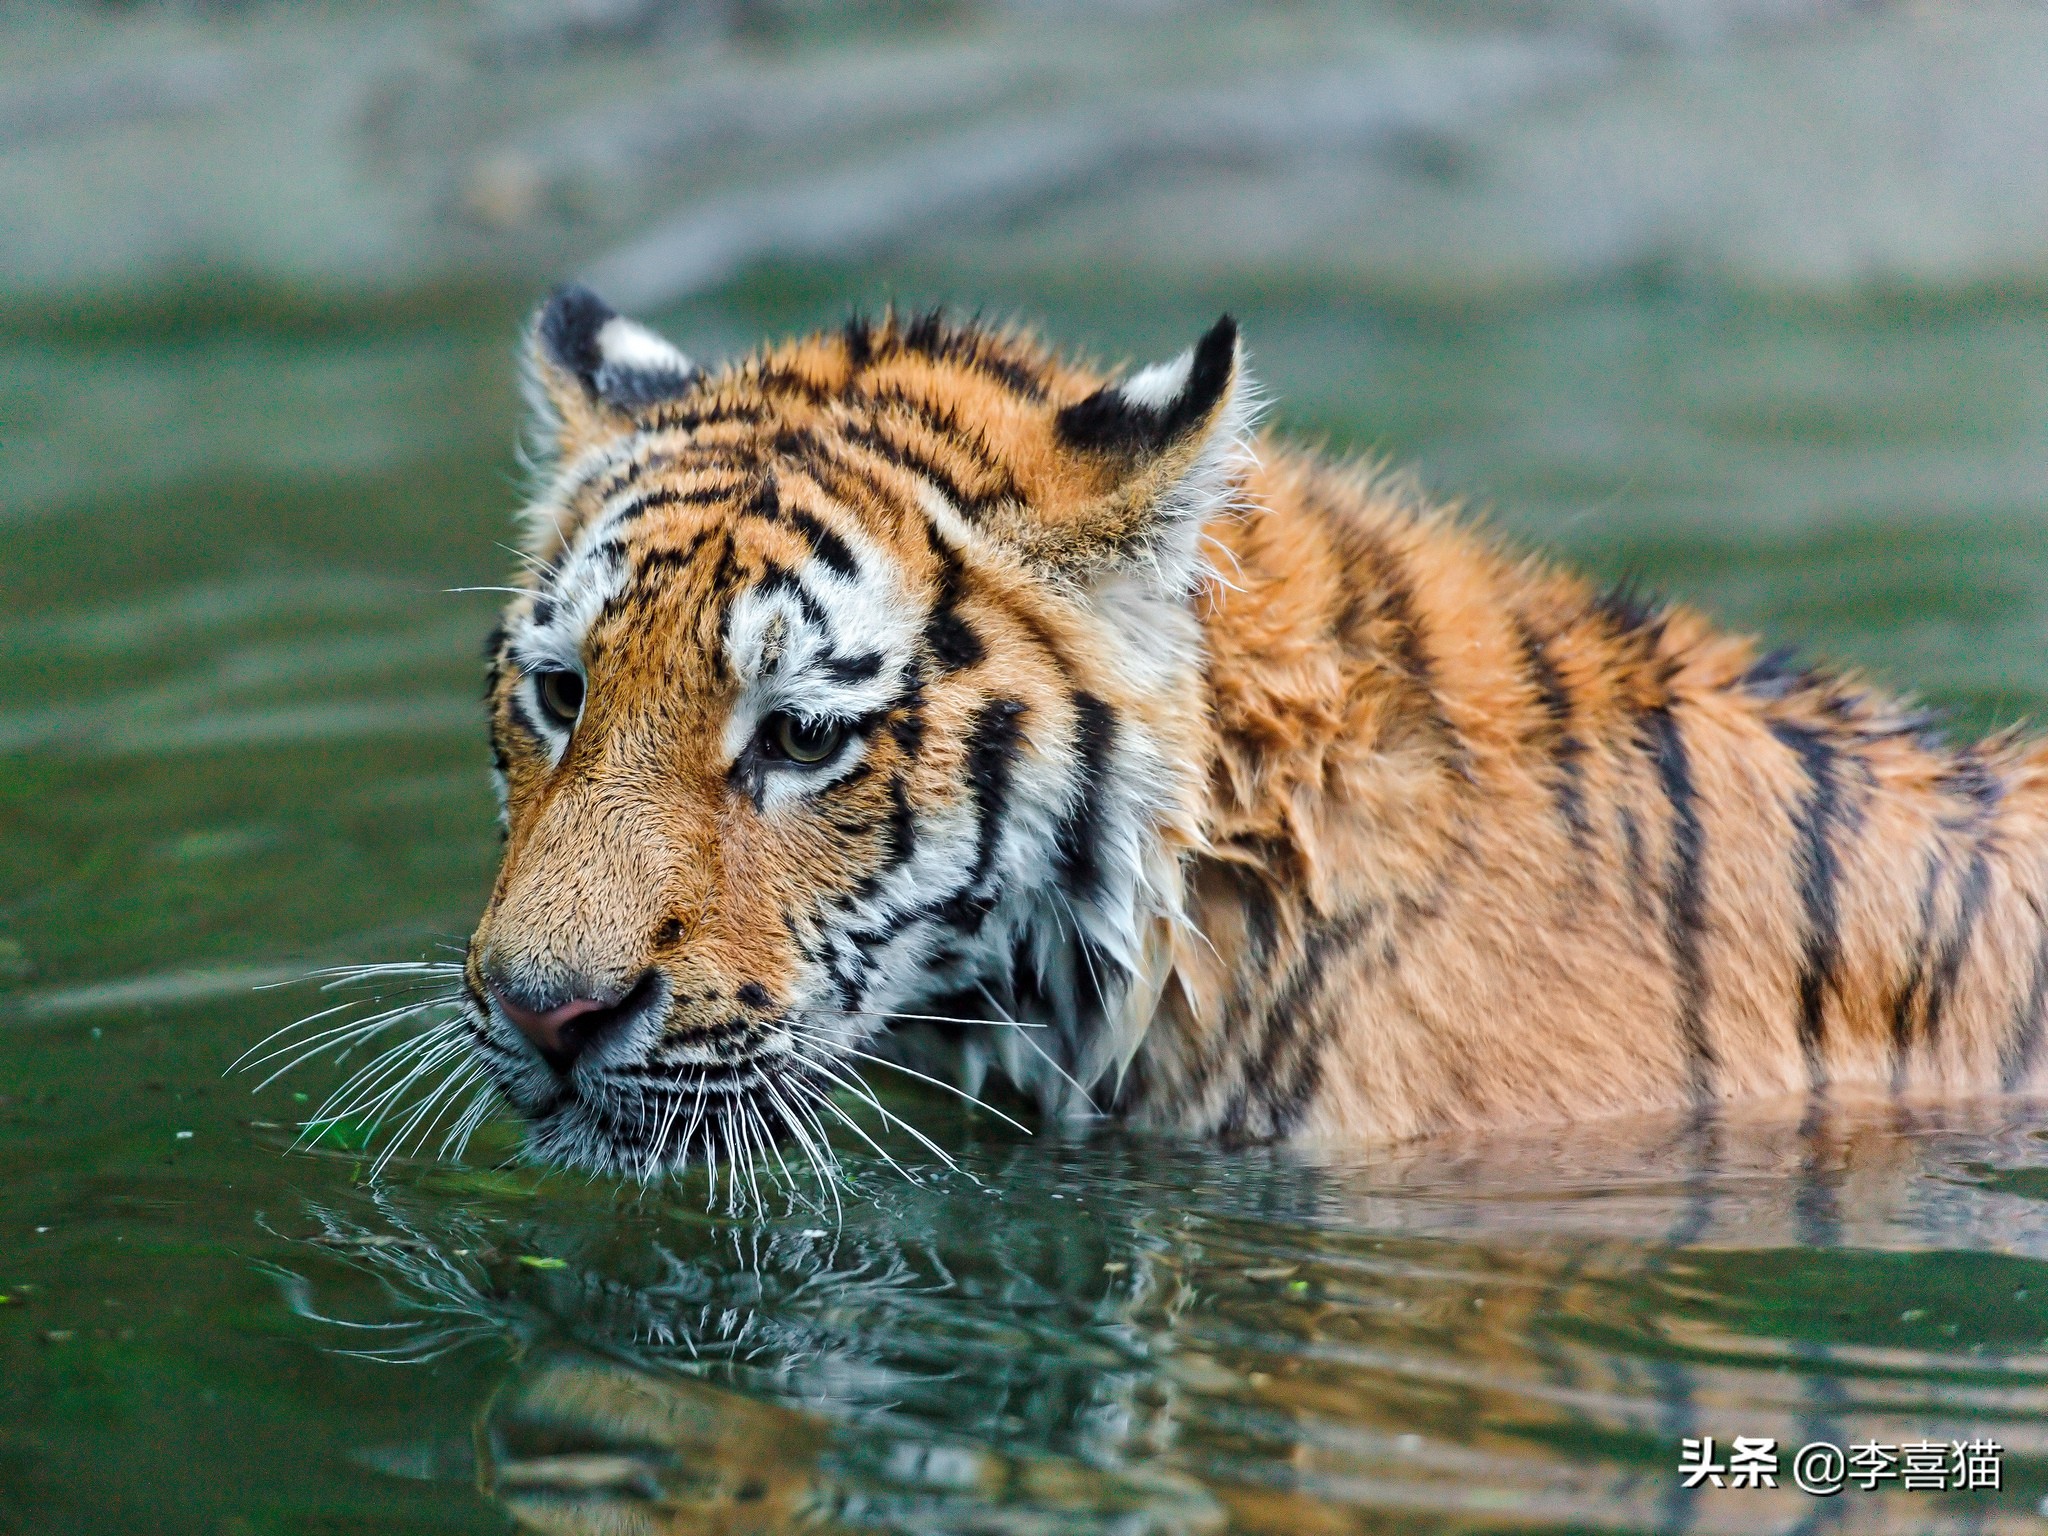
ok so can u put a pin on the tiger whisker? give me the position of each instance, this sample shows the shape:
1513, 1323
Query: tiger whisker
365, 1082
696, 1114
418, 1113
336, 975
818, 1166
388, 1099
888, 1118
456, 1142
925, 1077
529, 559
825, 1100
311, 1018
789, 1183
408, 1058
921, 1018
754, 1129
449, 1093
651, 1163
314, 1018
1047, 1058
342, 1037
729, 1132
452, 1088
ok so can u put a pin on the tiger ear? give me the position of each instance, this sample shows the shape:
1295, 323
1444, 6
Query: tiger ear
1159, 453
590, 370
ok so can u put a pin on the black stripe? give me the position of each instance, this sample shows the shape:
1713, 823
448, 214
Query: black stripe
852, 669
788, 381
1254, 885
2023, 1040
1568, 789
779, 578
494, 645
519, 717
1685, 896
861, 770
625, 476
993, 744
1934, 977
1261, 916
724, 576
1077, 844
930, 336
907, 712
1630, 611
1916, 974
1972, 779
1634, 862
1814, 825
1280, 1109
915, 463
766, 502
941, 423
1397, 607
1955, 945
858, 337
825, 544
745, 411
669, 496
952, 641
667, 557
901, 827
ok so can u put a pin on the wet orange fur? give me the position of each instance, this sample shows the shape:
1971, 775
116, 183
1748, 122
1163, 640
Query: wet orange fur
1488, 971
1455, 841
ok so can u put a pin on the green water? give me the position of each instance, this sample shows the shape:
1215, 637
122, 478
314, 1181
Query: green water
241, 739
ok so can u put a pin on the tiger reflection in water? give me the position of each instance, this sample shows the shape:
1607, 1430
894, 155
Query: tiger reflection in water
1443, 1338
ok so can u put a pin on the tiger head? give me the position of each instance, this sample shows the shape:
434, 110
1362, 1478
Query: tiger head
856, 680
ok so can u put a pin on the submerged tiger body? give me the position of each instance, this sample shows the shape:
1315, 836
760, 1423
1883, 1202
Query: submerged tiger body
910, 691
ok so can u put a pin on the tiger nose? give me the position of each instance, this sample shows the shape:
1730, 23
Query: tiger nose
561, 1032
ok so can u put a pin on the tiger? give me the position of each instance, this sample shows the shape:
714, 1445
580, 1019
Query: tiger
913, 692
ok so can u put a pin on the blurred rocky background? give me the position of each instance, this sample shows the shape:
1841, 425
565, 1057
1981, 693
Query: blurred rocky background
1423, 152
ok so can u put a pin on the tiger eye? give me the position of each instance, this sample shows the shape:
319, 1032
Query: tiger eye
561, 696
806, 741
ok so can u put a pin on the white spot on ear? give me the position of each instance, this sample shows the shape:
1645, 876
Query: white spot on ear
629, 346
1157, 387
1172, 563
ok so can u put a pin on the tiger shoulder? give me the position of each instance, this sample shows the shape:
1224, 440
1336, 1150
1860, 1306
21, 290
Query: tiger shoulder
910, 691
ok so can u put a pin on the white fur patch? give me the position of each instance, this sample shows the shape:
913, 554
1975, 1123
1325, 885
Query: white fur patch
1173, 559
1157, 387
791, 652
627, 345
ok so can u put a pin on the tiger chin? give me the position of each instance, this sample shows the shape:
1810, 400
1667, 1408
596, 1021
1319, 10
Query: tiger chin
910, 692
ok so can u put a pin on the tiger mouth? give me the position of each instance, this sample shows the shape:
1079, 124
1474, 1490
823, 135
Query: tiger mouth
649, 1116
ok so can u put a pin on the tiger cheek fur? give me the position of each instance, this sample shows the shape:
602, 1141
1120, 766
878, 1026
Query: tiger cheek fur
900, 686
